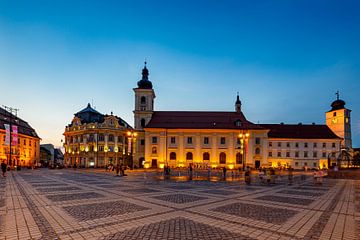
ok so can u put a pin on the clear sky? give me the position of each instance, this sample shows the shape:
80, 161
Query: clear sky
285, 58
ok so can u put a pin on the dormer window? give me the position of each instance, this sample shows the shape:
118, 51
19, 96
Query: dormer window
238, 123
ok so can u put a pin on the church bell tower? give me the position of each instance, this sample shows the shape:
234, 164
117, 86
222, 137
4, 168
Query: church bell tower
338, 120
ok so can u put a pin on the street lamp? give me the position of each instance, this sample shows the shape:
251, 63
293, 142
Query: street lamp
244, 137
131, 137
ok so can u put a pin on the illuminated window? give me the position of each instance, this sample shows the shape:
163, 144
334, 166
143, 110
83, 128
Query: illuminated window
172, 156
239, 158
222, 158
189, 156
206, 156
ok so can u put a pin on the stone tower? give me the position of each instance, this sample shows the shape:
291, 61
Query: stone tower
338, 120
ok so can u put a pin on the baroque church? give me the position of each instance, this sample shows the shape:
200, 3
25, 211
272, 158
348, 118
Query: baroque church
228, 139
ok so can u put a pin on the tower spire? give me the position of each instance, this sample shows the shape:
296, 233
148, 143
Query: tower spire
337, 95
238, 103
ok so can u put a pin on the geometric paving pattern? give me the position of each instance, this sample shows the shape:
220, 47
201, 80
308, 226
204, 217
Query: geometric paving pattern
291, 200
94, 204
101, 210
257, 212
177, 229
179, 198
73, 196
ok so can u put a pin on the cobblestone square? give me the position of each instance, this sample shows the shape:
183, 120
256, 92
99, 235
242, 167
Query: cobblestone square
94, 204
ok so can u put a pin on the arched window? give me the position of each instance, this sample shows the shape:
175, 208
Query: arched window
101, 137
239, 159
142, 122
189, 156
172, 156
154, 150
143, 100
257, 150
222, 158
111, 138
206, 156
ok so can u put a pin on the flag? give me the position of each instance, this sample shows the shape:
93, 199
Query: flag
14, 135
7, 134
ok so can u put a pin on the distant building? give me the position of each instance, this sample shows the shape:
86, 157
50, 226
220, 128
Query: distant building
26, 150
49, 155
228, 139
93, 139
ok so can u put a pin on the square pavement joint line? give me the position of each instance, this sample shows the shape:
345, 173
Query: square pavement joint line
102, 210
140, 190
302, 193
176, 229
73, 196
179, 198
289, 200
218, 192
257, 212
58, 189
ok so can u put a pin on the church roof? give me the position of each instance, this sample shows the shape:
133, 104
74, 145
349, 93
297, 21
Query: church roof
23, 126
200, 120
300, 131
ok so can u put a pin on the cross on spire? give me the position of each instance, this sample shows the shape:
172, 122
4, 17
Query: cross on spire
337, 95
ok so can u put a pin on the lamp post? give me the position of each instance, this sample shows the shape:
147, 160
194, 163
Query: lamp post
244, 137
131, 139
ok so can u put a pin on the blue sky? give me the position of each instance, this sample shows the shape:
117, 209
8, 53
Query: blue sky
285, 58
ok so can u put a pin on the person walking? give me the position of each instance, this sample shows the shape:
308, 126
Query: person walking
224, 172
3, 168
290, 175
117, 170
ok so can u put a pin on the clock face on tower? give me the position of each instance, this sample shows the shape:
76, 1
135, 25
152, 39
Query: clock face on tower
334, 120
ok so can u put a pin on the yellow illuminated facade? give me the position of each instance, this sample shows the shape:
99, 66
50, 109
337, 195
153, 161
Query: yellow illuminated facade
26, 152
96, 140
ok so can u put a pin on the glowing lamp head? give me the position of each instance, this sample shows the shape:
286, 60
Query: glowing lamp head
240, 135
247, 135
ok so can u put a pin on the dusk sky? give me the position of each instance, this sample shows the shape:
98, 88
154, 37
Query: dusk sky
285, 58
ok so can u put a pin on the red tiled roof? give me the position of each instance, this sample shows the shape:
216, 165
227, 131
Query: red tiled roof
300, 131
199, 120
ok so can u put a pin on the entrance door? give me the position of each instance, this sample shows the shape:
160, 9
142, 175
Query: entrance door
257, 164
154, 163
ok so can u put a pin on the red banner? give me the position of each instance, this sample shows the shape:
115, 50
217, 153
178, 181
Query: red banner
7, 134
14, 135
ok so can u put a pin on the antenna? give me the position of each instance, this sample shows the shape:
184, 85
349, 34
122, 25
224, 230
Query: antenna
337, 94
11, 110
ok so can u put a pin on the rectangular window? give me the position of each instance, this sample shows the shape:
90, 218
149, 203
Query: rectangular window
257, 140
324, 145
24, 141
189, 140
333, 145
270, 154
287, 144
296, 164
142, 142
279, 144
324, 154
306, 144
315, 145
297, 145
297, 154
172, 140
30, 143
305, 154
305, 163
222, 140
279, 154
314, 164
270, 144
287, 154
206, 140
315, 154
154, 140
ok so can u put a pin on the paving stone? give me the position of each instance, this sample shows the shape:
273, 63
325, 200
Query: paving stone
100, 210
290, 200
58, 189
302, 193
220, 192
257, 212
140, 190
73, 196
176, 229
179, 198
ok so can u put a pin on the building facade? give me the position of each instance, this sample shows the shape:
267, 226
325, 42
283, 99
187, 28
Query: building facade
26, 150
93, 139
228, 139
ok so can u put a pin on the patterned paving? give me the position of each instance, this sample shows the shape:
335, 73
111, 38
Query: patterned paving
94, 204
177, 229
257, 212
290, 200
101, 210
73, 196
179, 198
